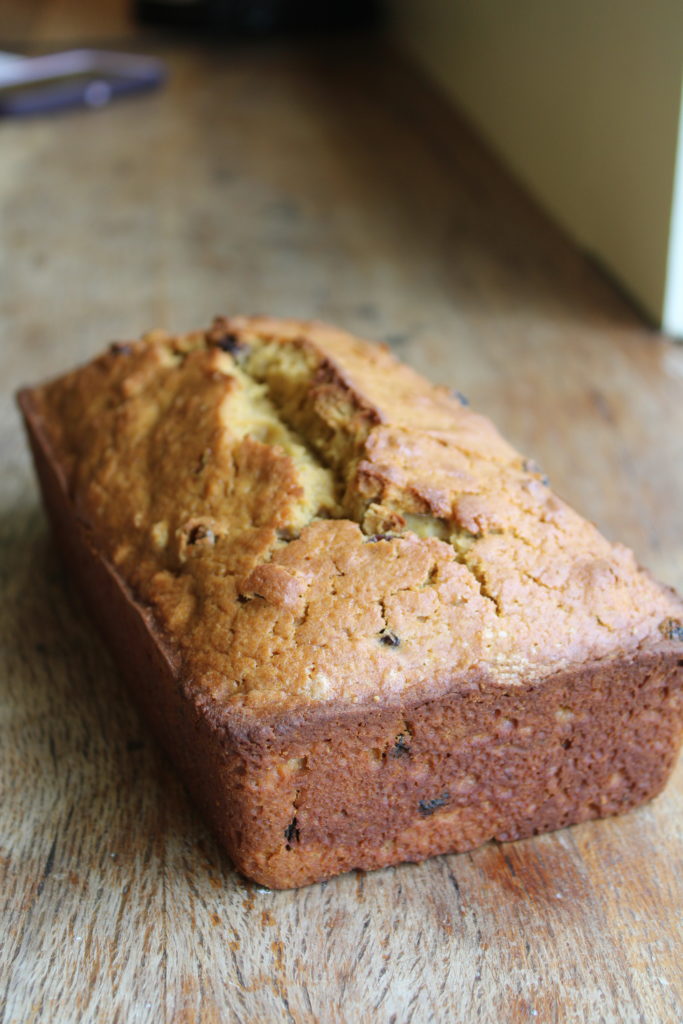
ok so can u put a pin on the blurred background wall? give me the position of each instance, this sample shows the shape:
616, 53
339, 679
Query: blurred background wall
583, 101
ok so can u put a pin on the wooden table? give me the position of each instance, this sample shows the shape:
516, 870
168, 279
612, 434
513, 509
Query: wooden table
322, 180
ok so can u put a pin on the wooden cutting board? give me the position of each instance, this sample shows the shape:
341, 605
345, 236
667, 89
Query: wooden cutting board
327, 181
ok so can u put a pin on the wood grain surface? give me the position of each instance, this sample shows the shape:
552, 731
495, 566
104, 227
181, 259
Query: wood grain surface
325, 180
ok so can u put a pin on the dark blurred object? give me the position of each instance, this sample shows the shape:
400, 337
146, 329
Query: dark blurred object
259, 17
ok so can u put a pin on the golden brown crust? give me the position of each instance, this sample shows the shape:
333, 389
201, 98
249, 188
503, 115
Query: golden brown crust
208, 466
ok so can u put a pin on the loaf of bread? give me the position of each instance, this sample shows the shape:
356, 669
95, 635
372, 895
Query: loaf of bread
360, 623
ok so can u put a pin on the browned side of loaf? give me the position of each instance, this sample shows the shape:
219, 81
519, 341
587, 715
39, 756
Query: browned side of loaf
302, 797
373, 789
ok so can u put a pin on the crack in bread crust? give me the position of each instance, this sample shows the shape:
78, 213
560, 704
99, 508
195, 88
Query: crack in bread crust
311, 520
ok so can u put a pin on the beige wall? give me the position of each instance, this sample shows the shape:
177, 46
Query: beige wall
582, 100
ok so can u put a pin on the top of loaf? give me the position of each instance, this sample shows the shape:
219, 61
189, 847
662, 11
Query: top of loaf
309, 520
